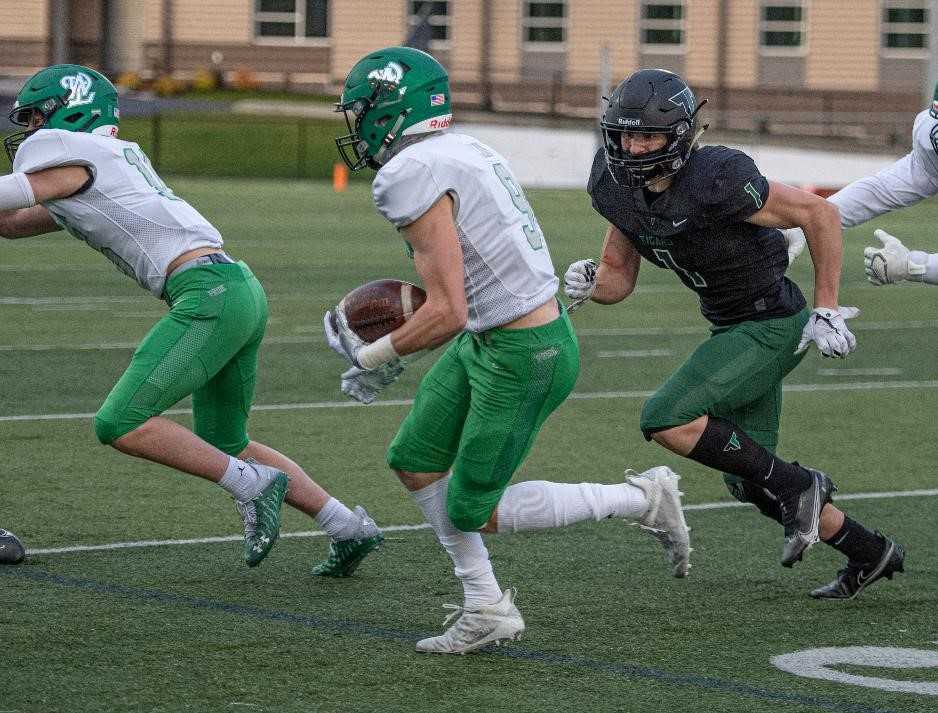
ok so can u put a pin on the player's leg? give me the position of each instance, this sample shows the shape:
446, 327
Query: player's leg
734, 368
421, 454
215, 312
536, 370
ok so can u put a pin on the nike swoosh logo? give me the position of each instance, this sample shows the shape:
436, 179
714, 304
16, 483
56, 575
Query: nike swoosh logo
678, 223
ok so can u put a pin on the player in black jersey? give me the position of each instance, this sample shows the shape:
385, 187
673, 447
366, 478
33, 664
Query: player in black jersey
709, 215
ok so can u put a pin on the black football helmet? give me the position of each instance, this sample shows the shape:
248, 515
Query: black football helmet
650, 101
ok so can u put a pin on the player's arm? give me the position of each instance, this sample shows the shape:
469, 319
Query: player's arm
618, 268
21, 195
787, 207
438, 259
613, 279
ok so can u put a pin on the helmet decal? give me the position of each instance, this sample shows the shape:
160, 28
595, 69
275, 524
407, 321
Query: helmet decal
79, 87
684, 98
393, 73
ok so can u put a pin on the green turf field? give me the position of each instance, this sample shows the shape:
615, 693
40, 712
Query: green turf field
186, 627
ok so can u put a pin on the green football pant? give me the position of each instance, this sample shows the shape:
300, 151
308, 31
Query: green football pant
479, 408
205, 346
737, 375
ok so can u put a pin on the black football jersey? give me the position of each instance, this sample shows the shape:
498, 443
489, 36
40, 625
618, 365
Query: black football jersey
697, 229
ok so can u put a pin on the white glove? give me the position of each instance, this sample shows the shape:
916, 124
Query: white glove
364, 384
794, 242
890, 263
340, 337
580, 280
827, 329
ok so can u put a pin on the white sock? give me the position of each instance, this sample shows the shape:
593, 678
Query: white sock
245, 481
338, 521
466, 549
539, 504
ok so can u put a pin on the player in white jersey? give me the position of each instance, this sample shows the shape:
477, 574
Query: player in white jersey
513, 357
911, 179
71, 172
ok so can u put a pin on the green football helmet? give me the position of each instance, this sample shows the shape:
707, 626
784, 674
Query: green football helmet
391, 93
67, 96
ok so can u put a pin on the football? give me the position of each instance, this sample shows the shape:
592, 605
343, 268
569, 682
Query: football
379, 307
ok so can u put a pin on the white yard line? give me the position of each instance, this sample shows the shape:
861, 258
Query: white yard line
635, 354
885, 371
409, 528
588, 396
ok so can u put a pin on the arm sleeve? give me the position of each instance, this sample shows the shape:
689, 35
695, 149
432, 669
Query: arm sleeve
738, 190
48, 149
909, 180
405, 190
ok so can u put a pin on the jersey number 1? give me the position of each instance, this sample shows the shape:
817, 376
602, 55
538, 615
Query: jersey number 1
142, 164
532, 231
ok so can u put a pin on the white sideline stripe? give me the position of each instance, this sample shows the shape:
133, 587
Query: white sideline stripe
885, 371
410, 528
588, 396
636, 353
312, 334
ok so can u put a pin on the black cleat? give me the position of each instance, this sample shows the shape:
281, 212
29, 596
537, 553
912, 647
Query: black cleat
853, 578
11, 549
801, 515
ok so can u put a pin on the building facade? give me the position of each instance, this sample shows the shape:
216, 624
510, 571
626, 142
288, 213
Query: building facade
791, 58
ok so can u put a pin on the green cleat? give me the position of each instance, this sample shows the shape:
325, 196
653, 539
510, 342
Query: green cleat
345, 555
261, 518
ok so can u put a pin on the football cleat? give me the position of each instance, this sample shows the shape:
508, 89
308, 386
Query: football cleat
11, 549
854, 578
261, 518
345, 555
474, 628
801, 515
664, 519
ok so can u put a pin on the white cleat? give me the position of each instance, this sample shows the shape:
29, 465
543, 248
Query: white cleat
664, 519
475, 628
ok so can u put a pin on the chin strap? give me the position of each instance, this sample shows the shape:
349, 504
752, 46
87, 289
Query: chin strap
391, 137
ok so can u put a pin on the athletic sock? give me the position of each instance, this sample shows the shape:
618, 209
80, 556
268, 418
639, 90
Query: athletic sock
727, 448
466, 549
245, 481
861, 545
338, 521
539, 504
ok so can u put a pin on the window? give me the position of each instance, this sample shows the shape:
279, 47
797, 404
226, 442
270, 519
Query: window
291, 21
782, 27
436, 12
544, 23
662, 26
905, 27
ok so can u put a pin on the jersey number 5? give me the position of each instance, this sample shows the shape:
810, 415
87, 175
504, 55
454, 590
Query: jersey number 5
532, 231
142, 164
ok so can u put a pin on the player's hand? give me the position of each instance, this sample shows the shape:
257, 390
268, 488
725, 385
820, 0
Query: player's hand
364, 384
827, 329
580, 280
888, 264
794, 242
340, 337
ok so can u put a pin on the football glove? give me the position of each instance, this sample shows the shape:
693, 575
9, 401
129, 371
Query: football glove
340, 337
827, 329
580, 280
364, 384
891, 263
794, 242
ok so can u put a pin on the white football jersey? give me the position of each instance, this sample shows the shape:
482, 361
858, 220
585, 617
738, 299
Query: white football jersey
128, 214
507, 267
912, 178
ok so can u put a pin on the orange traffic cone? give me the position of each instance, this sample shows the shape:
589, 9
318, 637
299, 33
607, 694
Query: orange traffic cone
339, 177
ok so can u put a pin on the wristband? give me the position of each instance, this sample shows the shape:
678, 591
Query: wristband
373, 355
16, 192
